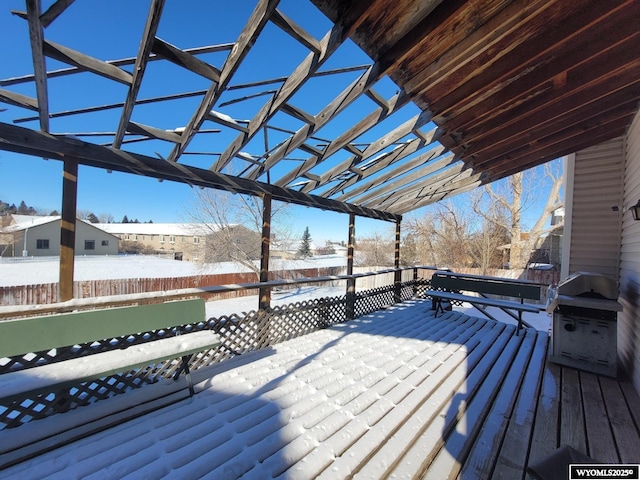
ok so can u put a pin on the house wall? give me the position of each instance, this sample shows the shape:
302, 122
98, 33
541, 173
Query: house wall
190, 246
629, 319
594, 191
104, 243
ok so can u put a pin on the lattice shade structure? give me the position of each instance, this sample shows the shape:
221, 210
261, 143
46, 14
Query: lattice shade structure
375, 108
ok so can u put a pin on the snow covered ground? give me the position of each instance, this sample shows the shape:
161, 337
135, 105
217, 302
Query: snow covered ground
35, 270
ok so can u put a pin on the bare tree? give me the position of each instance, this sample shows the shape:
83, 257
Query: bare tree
470, 231
519, 195
106, 218
445, 233
375, 251
491, 234
232, 224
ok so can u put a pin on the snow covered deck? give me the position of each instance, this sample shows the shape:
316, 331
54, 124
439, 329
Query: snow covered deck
395, 393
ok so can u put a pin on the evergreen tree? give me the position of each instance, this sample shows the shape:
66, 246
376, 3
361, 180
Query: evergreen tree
125, 219
92, 218
305, 245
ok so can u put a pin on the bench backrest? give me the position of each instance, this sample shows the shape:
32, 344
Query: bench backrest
65, 329
488, 285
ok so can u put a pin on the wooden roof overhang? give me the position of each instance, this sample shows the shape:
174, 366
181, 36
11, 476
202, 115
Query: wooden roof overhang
492, 87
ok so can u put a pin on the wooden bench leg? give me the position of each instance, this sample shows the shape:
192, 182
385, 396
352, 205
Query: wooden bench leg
437, 302
519, 322
184, 367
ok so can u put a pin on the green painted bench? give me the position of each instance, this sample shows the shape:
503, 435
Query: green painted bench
36, 334
446, 286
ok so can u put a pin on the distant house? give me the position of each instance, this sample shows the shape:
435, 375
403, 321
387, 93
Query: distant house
34, 236
182, 241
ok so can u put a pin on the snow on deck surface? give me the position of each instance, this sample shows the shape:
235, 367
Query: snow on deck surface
368, 398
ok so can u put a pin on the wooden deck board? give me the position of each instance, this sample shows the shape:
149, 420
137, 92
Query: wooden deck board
488, 410
599, 435
513, 454
572, 430
622, 424
410, 446
546, 422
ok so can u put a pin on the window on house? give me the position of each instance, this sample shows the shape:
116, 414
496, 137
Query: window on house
89, 244
161, 238
42, 244
172, 239
196, 239
105, 243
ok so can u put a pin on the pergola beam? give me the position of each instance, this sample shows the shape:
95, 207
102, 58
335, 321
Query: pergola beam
22, 140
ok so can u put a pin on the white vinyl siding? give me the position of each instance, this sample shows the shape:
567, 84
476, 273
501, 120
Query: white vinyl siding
629, 318
596, 205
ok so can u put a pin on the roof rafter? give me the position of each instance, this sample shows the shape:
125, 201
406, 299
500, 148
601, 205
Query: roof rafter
422, 159
448, 179
406, 184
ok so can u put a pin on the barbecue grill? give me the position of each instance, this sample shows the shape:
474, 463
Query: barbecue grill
584, 325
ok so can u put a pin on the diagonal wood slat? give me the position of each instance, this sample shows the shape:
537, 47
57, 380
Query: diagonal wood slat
19, 100
293, 29
153, 20
54, 11
85, 62
185, 60
247, 37
331, 41
36, 37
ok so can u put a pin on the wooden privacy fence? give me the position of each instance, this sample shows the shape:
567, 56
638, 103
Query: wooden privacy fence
48, 292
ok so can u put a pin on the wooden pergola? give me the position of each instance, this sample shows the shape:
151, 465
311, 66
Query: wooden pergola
482, 89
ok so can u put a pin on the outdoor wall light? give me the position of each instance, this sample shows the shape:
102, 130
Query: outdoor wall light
635, 211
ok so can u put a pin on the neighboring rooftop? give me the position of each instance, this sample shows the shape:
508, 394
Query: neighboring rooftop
183, 229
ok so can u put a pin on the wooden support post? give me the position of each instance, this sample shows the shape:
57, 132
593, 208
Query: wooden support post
351, 283
265, 292
397, 277
68, 227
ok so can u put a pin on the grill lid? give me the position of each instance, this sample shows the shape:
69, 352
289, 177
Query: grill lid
587, 284
587, 290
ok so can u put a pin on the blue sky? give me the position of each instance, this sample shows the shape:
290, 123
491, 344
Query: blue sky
39, 182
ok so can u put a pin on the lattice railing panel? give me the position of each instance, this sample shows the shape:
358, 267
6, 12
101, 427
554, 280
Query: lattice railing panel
238, 335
